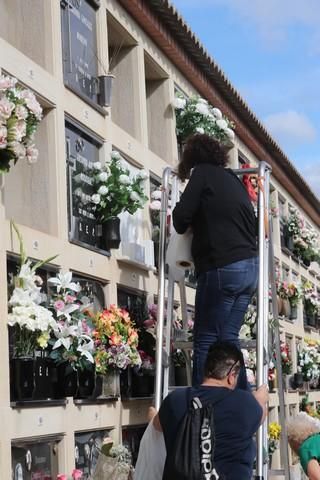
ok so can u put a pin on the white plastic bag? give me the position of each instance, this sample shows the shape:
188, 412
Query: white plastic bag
179, 251
152, 455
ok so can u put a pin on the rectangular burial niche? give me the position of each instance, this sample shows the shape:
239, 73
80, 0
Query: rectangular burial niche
79, 48
159, 111
87, 450
92, 289
30, 191
123, 64
82, 151
131, 438
27, 26
35, 458
41, 388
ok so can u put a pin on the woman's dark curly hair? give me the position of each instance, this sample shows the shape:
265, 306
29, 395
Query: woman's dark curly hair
201, 148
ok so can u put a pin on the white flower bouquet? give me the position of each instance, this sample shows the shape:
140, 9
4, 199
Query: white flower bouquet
116, 191
72, 336
33, 322
20, 114
308, 362
196, 115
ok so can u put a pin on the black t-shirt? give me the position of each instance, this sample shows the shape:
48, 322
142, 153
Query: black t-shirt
217, 206
237, 417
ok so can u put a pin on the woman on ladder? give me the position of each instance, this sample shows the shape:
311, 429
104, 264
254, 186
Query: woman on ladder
216, 206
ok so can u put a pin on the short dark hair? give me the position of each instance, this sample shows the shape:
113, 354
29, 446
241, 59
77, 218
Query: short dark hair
222, 356
201, 148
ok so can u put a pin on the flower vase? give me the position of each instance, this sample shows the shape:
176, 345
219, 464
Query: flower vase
288, 240
293, 312
306, 386
298, 380
111, 384
42, 379
105, 89
285, 307
286, 381
111, 233
272, 385
67, 380
23, 378
86, 383
311, 320
140, 386
279, 301
126, 383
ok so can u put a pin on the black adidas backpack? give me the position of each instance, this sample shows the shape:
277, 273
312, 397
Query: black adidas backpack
192, 457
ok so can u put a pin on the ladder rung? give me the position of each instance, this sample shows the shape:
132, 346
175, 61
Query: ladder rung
248, 344
183, 345
277, 473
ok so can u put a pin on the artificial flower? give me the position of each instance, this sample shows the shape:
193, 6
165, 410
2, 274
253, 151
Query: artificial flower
63, 281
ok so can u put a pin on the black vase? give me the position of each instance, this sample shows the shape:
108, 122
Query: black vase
67, 381
98, 383
140, 386
111, 233
86, 383
42, 378
311, 320
298, 380
288, 240
126, 383
293, 312
23, 378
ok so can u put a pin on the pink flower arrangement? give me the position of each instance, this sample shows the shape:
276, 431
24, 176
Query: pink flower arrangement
20, 114
75, 475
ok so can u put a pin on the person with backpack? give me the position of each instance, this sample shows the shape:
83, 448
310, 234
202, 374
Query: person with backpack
208, 430
217, 208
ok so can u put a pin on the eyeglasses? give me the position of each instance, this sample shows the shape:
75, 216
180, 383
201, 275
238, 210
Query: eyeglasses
232, 367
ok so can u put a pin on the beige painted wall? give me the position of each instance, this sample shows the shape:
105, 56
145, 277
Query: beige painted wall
141, 125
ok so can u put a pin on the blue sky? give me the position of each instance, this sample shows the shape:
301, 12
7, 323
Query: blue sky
270, 51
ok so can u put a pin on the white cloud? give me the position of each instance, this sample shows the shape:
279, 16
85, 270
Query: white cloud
290, 127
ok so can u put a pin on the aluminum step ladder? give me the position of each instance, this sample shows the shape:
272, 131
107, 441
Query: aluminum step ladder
169, 277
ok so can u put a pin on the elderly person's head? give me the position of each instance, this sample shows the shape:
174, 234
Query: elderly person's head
301, 427
201, 148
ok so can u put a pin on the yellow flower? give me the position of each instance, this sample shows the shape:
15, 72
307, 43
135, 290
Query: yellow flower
42, 340
274, 430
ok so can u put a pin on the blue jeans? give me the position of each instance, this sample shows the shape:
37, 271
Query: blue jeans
222, 298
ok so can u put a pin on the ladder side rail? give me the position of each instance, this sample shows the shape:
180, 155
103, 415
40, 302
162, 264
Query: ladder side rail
168, 333
283, 438
261, 320
244, 171
183, 305
266, 308
161, 284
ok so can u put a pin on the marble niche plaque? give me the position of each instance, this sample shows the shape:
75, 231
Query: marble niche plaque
82, 151
79, 46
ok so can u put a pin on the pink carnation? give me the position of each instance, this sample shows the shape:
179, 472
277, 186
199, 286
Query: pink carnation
32, 154
6, 108
3, 137
76, 474
59, 305
62, 476
7, 82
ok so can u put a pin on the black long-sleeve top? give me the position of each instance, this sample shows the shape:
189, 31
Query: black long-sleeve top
216, 205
